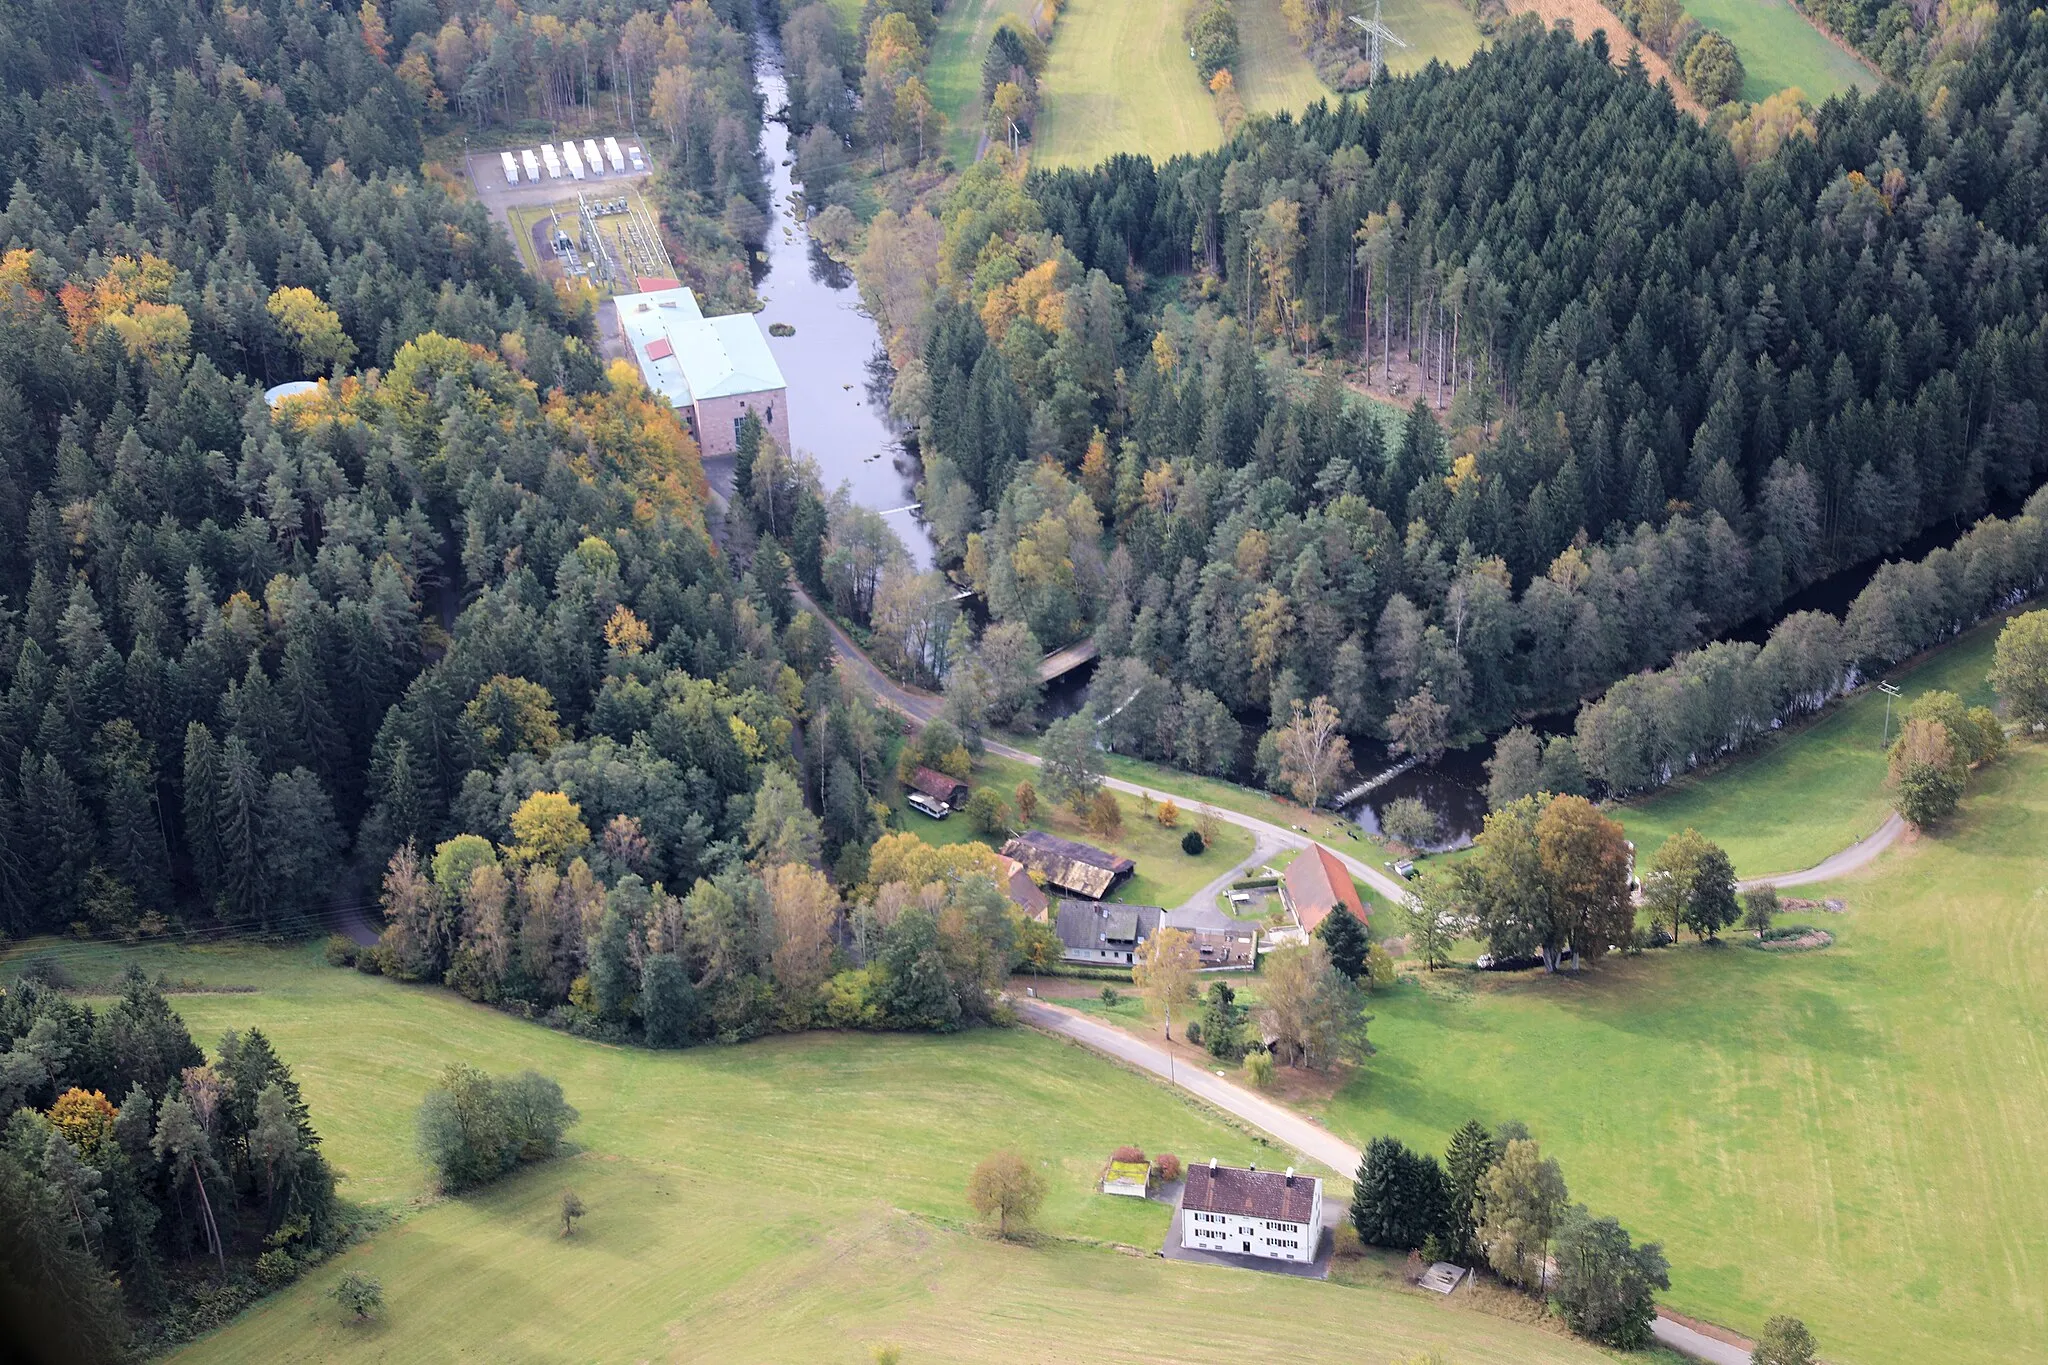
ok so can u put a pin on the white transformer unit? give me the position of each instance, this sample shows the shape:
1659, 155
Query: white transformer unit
547, 154
614, 155
593, 159
633, 155
532, 164
575, 162
511, 168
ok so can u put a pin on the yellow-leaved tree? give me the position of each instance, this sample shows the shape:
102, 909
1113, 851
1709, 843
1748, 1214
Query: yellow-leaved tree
546, 829
313, 328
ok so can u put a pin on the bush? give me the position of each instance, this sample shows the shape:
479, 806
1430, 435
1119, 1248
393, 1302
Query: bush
1193, 1032
360, 1294
1258, 1068
1193, 844
473, 1129
1128, 1153
276, 1269
1168, 1166
1110, 997
340, 950
1408, 821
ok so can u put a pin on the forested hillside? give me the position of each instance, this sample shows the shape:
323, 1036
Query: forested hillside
1674, 390
237, 643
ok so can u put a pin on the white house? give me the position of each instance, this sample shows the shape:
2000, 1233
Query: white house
1251, 1212
712, 370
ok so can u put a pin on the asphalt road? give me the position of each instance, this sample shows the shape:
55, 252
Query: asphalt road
1304, 1136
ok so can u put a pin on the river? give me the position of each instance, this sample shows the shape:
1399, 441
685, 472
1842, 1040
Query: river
834, 363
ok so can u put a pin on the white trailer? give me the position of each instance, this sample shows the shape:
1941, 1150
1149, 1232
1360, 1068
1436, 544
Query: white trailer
574, 161
511, 168
633, 155
547, 154
532, 164
593, 159
614, 155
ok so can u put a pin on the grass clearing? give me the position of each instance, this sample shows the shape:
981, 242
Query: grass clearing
1850, 1135
1817, 788
1435, 30
1120, 80
1780, 49
954, 72
794, 1199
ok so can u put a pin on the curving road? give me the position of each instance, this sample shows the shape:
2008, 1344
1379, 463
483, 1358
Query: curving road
1304, 1135
1856, 856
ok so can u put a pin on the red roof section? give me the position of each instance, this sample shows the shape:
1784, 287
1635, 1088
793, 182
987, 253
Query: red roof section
654, 284
1318, 883
659, 349
1248, 1193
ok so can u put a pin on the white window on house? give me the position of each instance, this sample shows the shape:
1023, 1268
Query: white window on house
737, 423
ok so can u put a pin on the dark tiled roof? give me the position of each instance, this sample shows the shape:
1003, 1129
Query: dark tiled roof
1318, 883
1084, 925
1068, 866
937, 786
1250, 1193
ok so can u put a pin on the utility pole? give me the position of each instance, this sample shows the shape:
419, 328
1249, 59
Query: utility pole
1170, 1078
1889, 691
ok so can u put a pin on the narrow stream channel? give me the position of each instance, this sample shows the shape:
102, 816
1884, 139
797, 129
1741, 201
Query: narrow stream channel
836, 368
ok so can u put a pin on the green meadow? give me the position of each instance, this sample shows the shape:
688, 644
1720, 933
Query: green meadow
792, 1199
1780, 49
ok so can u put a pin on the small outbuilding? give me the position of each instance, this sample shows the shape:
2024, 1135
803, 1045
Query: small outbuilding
949, 792
1104, 934
1064, 865
1023, 892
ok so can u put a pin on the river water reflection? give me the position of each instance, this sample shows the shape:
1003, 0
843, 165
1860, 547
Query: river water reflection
837, 371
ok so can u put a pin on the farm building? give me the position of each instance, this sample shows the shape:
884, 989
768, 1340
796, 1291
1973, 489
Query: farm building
1065, 865
1220, 941
1317, 883
1023, 892
1251, 1212
950, 792
714, 371
1091, 932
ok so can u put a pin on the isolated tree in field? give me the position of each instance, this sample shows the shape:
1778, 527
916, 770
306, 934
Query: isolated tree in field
1584, 859
1759, 907
1784, 1341
1345, 937
1105, 813
1007, 1188
1407, 821
1713, 70
1926, 776
1606, 1286
1193, 844
1435, 913
1027, 802
1165, 971
2019, 669
1521, 1199
987, 813
1072, 766
1168, 813
572, 1209
1712, 906
362, 1295
1313, 750
1691, 883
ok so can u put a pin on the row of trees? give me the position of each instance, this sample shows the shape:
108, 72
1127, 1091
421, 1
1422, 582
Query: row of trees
1496, 1196
1711, 702
765, 945
147, 1220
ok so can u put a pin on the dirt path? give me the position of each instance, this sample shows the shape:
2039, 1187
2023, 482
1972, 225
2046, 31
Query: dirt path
1588, 15
1311, 1139
1853, 858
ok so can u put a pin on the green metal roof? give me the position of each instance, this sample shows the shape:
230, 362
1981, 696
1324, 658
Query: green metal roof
685, 356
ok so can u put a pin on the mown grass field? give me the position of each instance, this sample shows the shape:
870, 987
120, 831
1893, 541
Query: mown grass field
1435, 30
794, 1199
1852, 1135
1166, 876
1816, 789
1120, 80
1780, 49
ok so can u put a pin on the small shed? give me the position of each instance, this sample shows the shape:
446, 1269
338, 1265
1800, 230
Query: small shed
1132, 1179
950, 791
